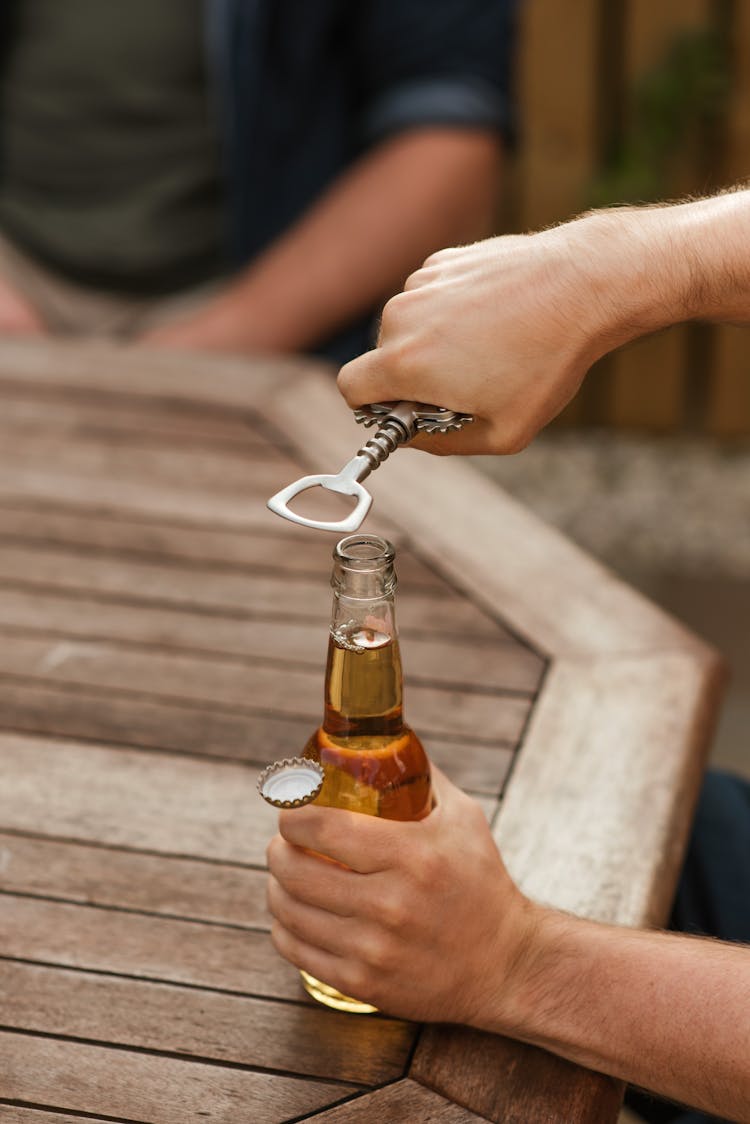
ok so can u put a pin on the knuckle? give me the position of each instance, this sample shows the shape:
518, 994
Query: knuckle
377, 954
326, 836
346, 380
358, 980
286, 944
514, 436
272, 852
518, 442
394, 309
437, 258
428, 866
414, 280
276, 901
393, 912
405, 354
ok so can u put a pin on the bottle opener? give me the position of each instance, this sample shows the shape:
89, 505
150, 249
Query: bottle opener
397, 423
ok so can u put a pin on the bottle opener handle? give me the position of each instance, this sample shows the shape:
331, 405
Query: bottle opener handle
397, 423
344, 482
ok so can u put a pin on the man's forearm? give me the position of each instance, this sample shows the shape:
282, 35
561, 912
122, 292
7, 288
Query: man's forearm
667, 1012
357, 244
657, 266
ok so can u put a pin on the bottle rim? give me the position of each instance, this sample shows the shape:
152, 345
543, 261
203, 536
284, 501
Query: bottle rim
364, 553
363, 567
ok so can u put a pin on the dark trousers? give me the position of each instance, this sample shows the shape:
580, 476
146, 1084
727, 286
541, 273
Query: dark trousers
713, 897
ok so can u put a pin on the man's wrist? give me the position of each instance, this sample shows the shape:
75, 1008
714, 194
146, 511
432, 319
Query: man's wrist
541, 977
638, 270
524, 958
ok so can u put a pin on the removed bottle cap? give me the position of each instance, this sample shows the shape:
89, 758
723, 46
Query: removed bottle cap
291, 783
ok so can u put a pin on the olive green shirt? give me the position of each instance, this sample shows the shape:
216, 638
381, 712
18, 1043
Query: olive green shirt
110, 169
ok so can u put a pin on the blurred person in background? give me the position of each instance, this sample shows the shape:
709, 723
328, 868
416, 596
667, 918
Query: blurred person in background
506, 330
240, 175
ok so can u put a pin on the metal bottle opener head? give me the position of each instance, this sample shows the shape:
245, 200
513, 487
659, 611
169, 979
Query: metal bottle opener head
397, 423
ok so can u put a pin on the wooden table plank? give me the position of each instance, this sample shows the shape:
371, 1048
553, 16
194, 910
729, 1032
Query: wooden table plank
283, 596
127, 880
454, 661
161, 540
511, 1082
62, 710
228, 472
137, 720
123, 941
401, 1102
639, 752
282, 546
142, 1087
203, 1025
245, 686
34, 412
241, 961
10, 1114
94, 494
158, 379
154, 802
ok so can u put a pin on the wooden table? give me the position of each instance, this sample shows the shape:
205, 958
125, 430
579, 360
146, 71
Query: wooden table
163, 637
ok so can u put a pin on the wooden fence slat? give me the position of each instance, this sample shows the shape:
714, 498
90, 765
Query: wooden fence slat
729, 390
648, 379
559, 99
647, 382
560, 124
651, 29
729, 401
93, 1079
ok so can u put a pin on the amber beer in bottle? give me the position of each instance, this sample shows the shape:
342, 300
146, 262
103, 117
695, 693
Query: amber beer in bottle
373, 762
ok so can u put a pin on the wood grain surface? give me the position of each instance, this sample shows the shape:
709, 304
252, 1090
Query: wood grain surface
404, 1100
163, 637
131, 1085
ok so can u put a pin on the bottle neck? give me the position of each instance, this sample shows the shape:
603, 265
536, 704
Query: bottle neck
358, 624
364, 690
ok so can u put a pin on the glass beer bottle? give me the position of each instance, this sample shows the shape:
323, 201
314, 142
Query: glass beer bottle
373, 762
